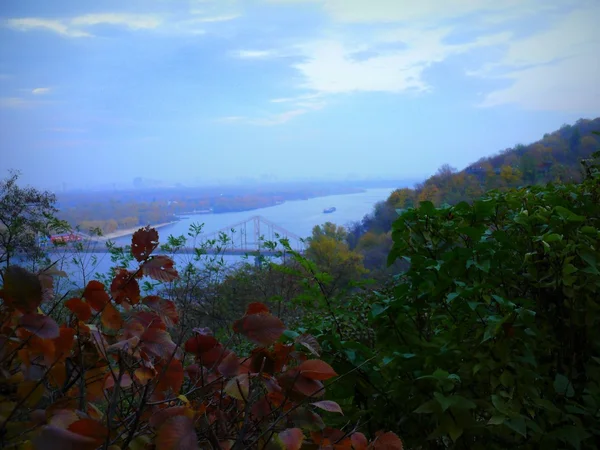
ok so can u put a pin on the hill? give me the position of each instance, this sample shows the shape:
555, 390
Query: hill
553, 159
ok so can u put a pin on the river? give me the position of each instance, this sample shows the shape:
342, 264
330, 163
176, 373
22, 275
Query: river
298, 217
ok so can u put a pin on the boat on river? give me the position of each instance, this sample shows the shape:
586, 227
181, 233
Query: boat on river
329, 210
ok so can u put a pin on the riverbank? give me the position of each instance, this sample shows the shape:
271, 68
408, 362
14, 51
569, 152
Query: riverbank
130, 231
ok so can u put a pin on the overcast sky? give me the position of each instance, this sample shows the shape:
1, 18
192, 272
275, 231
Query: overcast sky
94, 92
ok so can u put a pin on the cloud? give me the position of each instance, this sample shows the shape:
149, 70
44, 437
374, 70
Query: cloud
132, 21
57, 26
40, 91
17, 102
556, 69
269, 120
255, 54
330, 66
209, 19
75, 26
390, 11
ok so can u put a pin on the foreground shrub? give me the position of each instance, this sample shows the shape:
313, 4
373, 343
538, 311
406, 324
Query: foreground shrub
111, 376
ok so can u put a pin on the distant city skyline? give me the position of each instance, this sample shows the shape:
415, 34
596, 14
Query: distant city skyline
98, 93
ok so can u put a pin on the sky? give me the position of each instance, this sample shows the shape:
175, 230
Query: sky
200, 90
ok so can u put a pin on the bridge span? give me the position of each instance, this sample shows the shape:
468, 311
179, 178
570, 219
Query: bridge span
251, 237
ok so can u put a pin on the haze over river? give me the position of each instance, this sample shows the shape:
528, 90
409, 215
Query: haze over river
298, 217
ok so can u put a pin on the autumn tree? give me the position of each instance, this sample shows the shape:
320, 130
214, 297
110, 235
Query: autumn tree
332, 256
25, 214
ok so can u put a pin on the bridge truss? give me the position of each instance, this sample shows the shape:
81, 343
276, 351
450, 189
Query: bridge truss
252, 235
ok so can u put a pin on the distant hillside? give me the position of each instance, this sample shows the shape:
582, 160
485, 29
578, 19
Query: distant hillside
554, 158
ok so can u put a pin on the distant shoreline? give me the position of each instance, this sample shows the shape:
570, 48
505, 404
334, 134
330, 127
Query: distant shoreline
130, 231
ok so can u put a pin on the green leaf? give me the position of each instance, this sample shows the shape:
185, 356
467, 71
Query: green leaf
563, 386
429, 407
572, 435
378, 309
567, 215
518, 425
496, 420
444, 401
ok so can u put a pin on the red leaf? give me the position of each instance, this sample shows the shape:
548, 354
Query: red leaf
52, 437
309, 387
111, 318
171, 378
40, 325
165, 308
95, 295
125, 287
143, 243
214, 356
359, 441
158, 343
262, 329
316, 369
162, 415
149, 320
177, 433
257, 308
90, 429
230, 365
22, 289
292, 438
200, 343
80, 308
387, 441
329, 405
160, 268
111, 380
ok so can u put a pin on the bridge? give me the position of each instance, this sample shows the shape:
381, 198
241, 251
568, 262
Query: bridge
255, 236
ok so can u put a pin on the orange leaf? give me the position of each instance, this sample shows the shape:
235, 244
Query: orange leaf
90, 429
171, 378
111, 318
329, 405
257, 308
40, 325
144, 374
238, 387
316, 369
177, 433
310, 343
125, 288
359, 441
58, 375
292, 438
160, 268
22, 289
95, 295
143, 243
80, 308
387, 441
262, 329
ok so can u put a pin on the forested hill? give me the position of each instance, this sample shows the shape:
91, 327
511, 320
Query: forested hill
554, 158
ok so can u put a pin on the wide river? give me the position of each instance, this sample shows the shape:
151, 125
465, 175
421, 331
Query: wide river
298, 217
